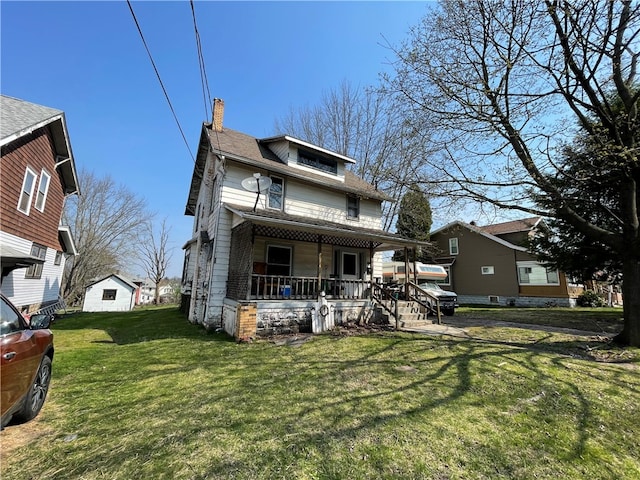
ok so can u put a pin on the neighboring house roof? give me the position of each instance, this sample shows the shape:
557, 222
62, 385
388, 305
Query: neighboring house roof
522, 225
252, 151
480, 231
19, 118
120, 277
318, 226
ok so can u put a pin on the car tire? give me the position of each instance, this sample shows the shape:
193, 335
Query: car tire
37, 393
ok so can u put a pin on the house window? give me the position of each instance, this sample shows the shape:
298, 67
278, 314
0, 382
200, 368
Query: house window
278, 260
532, 273
488, 270
316, 161
353, 206
35, 270
58, 259
349, 264
453, 246
109, 294
28, 184
276, 193
43, 188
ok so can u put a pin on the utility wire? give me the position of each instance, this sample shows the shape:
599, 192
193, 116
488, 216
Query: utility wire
203, 75
166, 95
206, 93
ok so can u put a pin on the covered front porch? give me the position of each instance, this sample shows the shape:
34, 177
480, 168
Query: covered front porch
301, 273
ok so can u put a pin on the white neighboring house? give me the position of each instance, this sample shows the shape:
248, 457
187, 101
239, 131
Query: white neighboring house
285, 237
113, 293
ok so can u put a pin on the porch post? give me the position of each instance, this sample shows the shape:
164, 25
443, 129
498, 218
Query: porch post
406, 269
370, 270
319, 264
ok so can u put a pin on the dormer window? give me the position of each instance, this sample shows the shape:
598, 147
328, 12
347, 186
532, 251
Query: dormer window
353, 207
316, 161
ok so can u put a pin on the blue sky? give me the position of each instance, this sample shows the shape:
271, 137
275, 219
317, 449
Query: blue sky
262, 58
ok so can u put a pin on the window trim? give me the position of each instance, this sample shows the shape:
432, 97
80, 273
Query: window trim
531, 264
40, 194
487, 270
106, 294
24, 193
290, 265
58, 259
280, 195
34, 272
454, 246
357, 207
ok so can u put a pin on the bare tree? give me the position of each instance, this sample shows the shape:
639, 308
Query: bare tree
105, 221
155, 254
361, 123
503, 84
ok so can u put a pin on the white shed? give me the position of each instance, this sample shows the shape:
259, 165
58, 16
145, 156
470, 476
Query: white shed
113, 293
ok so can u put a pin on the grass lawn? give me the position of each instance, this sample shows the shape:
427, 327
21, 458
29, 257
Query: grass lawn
146, 395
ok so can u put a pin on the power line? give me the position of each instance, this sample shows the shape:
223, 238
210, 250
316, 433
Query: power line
166, 95
203, 73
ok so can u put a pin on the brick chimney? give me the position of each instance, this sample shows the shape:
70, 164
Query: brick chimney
218, 114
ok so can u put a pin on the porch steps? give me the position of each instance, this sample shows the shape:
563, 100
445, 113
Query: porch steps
410, 315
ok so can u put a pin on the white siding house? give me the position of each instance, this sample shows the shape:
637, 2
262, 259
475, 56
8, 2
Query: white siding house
300, 253
110, 294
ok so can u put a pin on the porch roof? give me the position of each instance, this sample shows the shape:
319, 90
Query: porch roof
274, 223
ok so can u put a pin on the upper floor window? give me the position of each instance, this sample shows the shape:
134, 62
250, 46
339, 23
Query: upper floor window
532, 273
58, 259
35, 270
276, 193
43, 188
453, 246
353, 207
28, 184
316, 161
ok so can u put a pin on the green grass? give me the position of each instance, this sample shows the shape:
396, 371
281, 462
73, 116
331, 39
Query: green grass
146, 395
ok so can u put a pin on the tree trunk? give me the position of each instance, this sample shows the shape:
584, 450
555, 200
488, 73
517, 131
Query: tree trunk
630, 334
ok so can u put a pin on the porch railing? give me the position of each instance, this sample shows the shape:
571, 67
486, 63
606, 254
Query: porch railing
277, 287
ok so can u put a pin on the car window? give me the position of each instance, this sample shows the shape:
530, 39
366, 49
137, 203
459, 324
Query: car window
10, 320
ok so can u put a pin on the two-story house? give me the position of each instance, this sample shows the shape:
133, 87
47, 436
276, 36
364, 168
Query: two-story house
38, 173
285, 237
491, 265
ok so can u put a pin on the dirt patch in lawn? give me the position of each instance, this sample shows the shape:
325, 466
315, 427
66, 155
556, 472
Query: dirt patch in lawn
15, 436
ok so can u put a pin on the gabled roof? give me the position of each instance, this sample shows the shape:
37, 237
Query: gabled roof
515, 226
118, 276
254, 152
480, 231
19, 118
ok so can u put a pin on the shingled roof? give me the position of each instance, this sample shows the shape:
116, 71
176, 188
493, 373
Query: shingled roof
243, 148
522, 225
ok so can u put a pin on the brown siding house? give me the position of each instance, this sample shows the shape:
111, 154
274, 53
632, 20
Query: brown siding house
491, 265
38, 172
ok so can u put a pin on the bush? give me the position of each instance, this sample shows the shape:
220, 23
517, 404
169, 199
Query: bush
589, 298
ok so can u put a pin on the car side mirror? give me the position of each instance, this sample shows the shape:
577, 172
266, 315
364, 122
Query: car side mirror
40, 321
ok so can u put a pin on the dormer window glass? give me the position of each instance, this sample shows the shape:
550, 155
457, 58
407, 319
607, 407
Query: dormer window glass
316, 161
353, 207
276, 193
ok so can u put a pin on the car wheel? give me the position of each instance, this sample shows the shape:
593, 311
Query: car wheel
37, 393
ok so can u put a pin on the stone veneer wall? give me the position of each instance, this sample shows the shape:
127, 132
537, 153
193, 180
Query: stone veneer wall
517, 301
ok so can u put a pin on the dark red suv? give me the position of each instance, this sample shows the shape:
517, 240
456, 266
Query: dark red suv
26, 353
